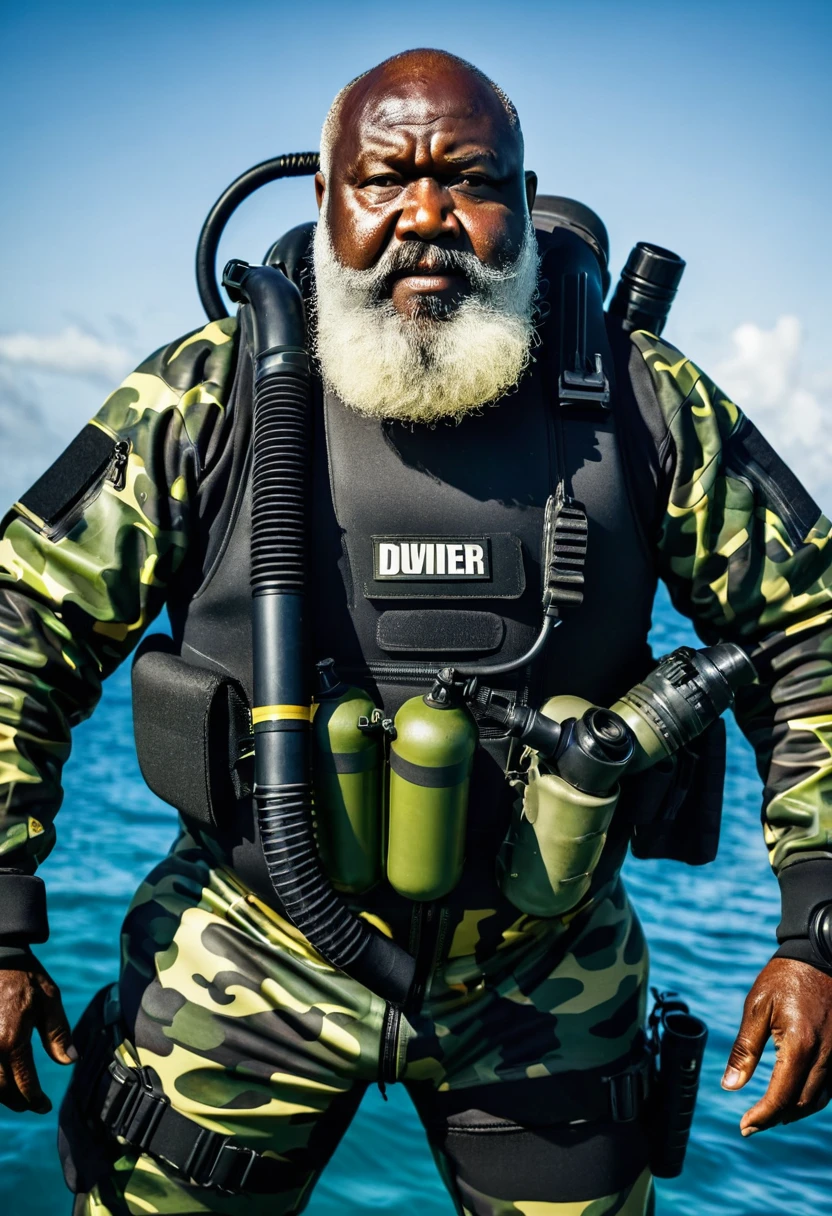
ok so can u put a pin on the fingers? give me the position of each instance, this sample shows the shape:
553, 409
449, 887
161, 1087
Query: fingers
22, 1066
53, 1026
815, 1093
10, 1095
748, 1045
795, 1059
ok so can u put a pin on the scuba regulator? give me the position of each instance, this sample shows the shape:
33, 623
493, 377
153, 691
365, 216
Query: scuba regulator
345, 796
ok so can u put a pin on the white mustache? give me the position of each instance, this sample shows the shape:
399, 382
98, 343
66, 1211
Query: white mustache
421, 256
442, 363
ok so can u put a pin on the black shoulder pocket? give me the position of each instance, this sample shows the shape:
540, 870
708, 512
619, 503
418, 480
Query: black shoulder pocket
751, 458
57, 499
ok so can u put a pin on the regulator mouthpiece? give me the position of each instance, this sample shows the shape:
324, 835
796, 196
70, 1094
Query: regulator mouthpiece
595, 751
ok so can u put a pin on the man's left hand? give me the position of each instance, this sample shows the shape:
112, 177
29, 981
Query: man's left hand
792, 1002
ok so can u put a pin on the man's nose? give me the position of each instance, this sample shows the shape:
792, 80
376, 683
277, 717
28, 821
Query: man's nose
428, 212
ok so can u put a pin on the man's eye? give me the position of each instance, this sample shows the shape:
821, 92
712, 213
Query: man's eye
383, 179
472, 181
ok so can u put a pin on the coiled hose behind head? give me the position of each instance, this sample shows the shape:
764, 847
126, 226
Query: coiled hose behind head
281, 714
292, 164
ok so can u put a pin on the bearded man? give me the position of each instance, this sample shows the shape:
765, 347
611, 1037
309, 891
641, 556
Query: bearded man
246, 1054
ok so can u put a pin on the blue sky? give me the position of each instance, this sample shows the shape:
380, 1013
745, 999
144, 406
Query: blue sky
701, 126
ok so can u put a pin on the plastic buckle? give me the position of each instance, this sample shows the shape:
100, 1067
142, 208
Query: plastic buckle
585, 386
626, 1091
216, 1163
137, 1117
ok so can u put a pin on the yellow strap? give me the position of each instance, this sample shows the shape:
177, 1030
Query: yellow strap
274, 713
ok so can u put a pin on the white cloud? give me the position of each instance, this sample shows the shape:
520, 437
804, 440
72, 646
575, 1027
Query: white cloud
72, 352
763, 374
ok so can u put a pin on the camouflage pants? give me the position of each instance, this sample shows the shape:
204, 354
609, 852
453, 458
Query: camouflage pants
252, 1034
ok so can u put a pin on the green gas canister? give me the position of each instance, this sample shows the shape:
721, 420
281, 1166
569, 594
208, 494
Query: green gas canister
430, 772
347, 765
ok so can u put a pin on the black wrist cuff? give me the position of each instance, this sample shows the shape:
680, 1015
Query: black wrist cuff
805, 888
16, 958
22, 909
801, 948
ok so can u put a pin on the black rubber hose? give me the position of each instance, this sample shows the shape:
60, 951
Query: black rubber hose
294, 164
282, 786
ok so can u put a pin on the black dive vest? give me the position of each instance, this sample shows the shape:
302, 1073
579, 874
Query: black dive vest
425, 551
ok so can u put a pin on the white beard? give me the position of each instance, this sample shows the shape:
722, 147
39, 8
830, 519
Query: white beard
424, 368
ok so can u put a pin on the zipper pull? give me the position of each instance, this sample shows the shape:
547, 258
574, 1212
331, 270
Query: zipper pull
117, 473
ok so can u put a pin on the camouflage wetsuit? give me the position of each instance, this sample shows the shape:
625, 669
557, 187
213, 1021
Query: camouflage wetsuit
247, 1029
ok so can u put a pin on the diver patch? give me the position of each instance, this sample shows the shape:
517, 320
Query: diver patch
472, 567
420, 558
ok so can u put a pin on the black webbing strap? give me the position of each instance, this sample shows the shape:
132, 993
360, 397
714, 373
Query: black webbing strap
583, 393
135, 1111
617, 1094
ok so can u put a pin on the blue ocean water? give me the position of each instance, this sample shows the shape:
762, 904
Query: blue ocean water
710, 930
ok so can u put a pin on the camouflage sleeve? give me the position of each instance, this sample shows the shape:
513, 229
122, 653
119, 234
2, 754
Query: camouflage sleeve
747, 556
81, 580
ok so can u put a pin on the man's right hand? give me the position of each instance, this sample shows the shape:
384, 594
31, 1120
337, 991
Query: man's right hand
29, 1000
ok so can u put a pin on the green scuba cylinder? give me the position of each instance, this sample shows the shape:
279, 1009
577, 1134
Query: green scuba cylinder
347, 766
430, 771
558, 832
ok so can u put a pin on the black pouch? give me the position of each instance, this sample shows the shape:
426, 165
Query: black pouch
676, 810
86, 1149
191, 725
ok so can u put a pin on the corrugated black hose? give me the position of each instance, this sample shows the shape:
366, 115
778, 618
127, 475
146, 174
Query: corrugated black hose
281, 715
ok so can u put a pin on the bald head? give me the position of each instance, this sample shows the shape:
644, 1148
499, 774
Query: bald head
424, 148
419, 67
425, 257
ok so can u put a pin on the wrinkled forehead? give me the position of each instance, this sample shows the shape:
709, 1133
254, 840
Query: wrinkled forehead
443, 110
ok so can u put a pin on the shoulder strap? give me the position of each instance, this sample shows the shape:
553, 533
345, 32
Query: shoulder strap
580, 389
641, 434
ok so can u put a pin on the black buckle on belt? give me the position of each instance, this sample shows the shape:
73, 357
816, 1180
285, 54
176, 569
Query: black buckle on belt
214, 1161
134, 1110
628, 1090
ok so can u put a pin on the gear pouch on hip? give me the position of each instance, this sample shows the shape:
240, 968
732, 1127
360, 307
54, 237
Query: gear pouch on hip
554, 842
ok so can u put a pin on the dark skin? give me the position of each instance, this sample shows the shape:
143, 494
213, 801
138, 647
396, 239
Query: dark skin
30, 1000
425, 151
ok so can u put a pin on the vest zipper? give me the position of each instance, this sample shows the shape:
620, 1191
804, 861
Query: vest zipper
388, 1056
428, 923
422, 673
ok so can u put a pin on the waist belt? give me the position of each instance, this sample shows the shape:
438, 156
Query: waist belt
132, 1109
135, 1111
617, 1094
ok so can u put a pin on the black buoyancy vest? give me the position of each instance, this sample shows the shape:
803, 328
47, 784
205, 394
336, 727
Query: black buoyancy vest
395, 507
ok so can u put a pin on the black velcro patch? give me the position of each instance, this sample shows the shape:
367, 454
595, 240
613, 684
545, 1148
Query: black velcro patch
66, 481
440, 631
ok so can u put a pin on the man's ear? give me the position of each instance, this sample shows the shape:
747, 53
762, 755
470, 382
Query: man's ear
531, 187
320, 188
